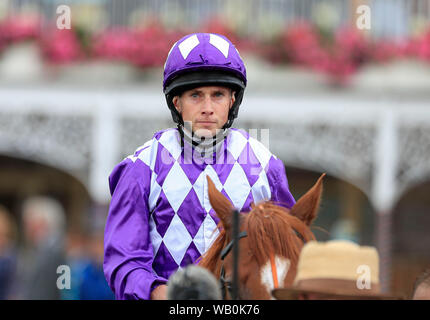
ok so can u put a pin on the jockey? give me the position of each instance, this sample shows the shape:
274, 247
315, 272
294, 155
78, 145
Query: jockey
160, 218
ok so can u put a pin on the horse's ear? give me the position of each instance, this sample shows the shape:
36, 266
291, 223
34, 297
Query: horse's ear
220, 204
306, 208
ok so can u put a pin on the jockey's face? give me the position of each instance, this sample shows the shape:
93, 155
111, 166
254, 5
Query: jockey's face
206, 108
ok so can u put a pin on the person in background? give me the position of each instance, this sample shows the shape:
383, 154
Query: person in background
7, 252
84, 255
44, 222
77, 258
422, 286
94, 285
336, 270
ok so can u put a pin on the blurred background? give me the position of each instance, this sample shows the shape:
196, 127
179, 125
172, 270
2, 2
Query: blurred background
329, 96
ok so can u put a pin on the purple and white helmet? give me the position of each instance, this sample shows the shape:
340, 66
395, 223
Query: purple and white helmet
203, 59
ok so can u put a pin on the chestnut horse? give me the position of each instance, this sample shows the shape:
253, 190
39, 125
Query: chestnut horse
271, 238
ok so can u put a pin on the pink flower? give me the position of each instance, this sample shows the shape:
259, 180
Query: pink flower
422, 47
20, 27
384, 50
61, 46
116, 44
301, 44
352, 45
339, 67
154, 42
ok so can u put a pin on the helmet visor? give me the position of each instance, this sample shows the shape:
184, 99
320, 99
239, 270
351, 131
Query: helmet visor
193, 80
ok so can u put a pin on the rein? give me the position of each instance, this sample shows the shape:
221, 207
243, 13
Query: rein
224, 283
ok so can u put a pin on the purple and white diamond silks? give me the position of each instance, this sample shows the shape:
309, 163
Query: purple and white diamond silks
160, 217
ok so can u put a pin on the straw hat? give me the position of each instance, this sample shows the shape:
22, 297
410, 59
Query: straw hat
336, 269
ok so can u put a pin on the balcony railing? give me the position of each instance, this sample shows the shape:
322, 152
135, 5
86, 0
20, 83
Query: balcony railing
259, 18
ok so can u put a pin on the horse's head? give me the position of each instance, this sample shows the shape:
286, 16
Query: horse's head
270, 251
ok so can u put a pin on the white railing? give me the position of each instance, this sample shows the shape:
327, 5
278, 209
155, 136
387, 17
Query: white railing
392, 18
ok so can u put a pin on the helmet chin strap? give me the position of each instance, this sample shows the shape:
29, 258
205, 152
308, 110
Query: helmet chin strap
203, 145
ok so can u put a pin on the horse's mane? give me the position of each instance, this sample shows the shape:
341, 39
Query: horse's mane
270, 231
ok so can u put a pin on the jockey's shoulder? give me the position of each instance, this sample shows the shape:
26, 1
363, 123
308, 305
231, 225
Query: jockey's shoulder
257, 146
169, 132
147, 151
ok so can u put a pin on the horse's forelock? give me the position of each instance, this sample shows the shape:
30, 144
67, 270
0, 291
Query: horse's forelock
271, 230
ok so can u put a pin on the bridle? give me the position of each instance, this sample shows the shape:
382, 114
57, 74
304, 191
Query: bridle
227, 284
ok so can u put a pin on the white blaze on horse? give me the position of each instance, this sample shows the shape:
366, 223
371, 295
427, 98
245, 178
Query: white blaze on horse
271, 238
